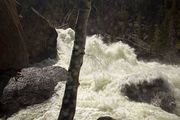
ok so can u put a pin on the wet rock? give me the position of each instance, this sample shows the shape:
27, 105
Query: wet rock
106, 118
157, 92
31, 86
13, 53
41, 37
5, 76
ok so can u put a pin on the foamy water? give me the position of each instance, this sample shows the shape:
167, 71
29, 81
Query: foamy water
105, 69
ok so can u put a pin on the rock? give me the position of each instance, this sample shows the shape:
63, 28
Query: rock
41, 37
157, 92
5, 76
106, 118
50, 9
13, 53
32, 86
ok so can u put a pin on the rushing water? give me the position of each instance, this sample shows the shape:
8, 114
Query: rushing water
105, 69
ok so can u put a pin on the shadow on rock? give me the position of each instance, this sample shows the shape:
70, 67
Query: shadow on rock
33, 86
106, 118
157, 92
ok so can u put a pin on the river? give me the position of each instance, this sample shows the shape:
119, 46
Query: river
105, 69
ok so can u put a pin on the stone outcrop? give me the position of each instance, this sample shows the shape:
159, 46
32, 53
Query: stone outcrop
50, 9
33, 41
41, 37
31, 86
157, 92
13, 53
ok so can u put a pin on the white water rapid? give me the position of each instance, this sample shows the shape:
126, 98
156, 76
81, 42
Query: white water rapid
105, 69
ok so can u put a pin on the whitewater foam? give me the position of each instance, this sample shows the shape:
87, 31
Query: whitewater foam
105, 69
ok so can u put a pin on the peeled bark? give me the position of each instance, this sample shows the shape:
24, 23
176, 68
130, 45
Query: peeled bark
69, 101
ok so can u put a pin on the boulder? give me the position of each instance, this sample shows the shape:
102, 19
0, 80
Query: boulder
156, 92
41, 37
106, 118
13, 53
5, 76
60, 13
31, 86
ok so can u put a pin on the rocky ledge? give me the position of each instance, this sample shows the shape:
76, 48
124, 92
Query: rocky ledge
156, 92
31, 86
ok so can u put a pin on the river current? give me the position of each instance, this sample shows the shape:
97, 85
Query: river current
105, 69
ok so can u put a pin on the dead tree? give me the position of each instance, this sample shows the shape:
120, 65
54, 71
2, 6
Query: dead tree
69, 100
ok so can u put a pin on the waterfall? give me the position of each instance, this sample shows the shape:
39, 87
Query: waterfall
105, 69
